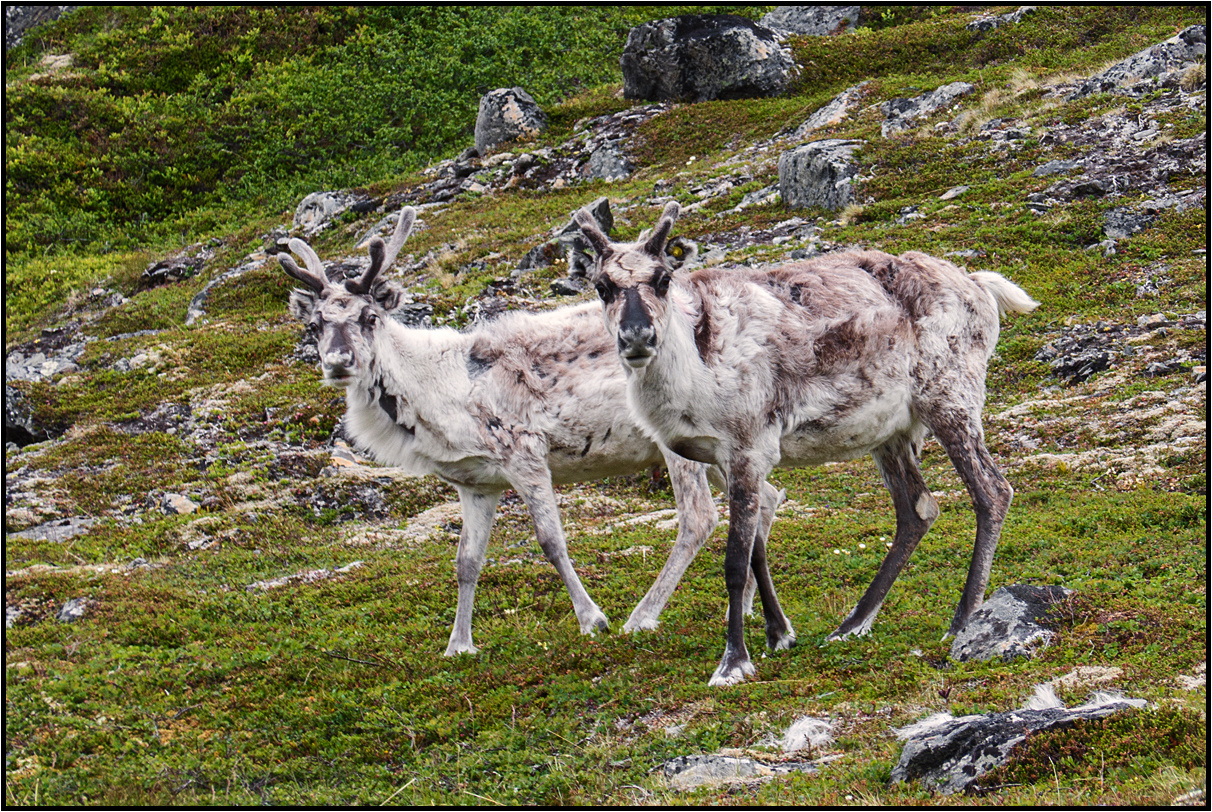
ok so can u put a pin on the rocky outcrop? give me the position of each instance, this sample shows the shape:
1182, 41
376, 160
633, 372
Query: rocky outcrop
319, 210
507, 114
813, 21
836, 111
1160, 64
989, 22
1086, 349
698, 57
819, 174
948, 755
175, 268
901, 113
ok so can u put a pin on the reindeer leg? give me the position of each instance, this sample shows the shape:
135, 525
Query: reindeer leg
716, 477
916, 510
479, 510
744, 506
696, 519
779, 634
540, 501
963, 439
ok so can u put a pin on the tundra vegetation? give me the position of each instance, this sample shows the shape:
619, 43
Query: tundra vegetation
283, 643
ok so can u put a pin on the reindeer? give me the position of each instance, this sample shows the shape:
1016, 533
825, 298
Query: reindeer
829, 359
526, 401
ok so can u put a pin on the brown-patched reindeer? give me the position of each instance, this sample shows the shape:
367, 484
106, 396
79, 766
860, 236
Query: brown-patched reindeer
525, 401
844, 355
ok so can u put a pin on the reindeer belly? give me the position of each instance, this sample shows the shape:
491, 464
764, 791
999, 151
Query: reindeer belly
620, 451
832, 436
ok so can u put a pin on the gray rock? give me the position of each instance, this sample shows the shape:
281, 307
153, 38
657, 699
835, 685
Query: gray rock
608, 162
21, 427
953, 193
175, 504
901, 113
818, 174
507, 114
988, 23
173, 269
73, 610
814, 21
317, 211
58, 530
1174, 54
1124, 222
699, 57
570, 286
1055, 168
835, 111
947, 755
20, 19
688, 772
1006, 625
570, 243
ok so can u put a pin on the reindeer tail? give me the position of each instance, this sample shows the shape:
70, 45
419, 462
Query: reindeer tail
1010, 298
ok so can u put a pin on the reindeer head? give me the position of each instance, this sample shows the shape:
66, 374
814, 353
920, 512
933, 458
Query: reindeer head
632, 280
343, 316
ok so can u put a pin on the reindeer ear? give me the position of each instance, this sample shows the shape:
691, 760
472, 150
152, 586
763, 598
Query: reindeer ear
387, 294
655, 246
589, 227
302, 304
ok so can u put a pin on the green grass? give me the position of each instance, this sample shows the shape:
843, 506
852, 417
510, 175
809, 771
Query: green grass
183, 686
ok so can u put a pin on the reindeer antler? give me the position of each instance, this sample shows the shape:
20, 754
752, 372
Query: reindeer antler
381, 256
314, 277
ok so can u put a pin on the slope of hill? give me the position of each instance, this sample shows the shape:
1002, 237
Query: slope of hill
211, 599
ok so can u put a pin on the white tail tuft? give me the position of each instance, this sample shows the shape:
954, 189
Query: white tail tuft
1009, 297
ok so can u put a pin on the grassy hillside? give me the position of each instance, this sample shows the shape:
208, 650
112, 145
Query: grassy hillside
282, 643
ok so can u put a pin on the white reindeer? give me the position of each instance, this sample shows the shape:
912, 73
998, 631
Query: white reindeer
828, 359
525, 401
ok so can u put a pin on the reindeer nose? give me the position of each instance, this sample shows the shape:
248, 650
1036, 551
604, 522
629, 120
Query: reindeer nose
338, 365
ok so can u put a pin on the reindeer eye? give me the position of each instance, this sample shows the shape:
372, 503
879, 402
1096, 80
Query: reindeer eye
661, 284
605, 290
371, 319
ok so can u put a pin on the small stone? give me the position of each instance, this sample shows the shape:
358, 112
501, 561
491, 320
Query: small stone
73, 610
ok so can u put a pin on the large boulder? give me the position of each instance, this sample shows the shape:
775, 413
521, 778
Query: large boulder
820, 173
699, 57
813, 21
507, 114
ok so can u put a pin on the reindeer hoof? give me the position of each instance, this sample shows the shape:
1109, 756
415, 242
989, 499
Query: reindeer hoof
597, 623
733, 674
647, 624
455, 649
781, 642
